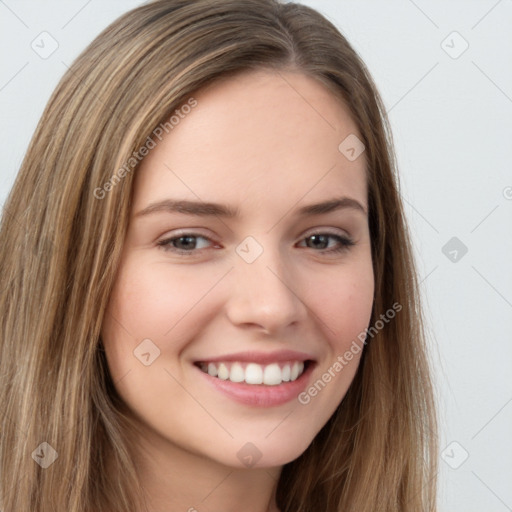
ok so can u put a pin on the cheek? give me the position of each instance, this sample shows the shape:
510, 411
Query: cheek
345, 304
148, 302
142, 307
149, 312
343, 308
151, 302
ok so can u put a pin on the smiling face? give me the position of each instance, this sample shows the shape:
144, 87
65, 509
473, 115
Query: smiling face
268, 299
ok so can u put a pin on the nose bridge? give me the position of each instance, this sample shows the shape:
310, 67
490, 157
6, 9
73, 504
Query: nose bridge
264, 292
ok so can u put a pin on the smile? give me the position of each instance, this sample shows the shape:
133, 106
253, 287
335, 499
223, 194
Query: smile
258, 379
272, 374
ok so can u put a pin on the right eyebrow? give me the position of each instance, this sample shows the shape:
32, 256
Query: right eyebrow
190, 208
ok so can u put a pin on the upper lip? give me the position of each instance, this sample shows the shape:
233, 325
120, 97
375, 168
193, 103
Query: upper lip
260, 357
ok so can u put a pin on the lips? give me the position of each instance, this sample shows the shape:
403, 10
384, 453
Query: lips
257, 378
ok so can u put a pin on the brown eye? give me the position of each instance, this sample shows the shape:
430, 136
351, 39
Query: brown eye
185, 243
321, 241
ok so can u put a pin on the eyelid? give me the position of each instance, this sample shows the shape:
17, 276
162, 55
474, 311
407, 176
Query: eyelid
326, 231
177, 233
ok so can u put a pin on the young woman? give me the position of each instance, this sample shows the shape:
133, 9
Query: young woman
209, 299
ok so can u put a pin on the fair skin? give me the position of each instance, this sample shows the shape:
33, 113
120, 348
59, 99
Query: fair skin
265, 143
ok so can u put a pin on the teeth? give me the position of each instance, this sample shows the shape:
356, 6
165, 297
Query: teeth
272, 375
286, 373
223, 372
212, 370
295, 371
237, 373
252, 373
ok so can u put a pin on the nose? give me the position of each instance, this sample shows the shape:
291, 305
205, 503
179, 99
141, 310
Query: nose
265, 294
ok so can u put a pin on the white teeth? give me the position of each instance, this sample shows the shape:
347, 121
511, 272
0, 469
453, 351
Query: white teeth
296, 370
237, 373
254, 374
223, 372
270, 375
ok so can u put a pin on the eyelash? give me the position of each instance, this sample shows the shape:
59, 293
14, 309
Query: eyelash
345, 243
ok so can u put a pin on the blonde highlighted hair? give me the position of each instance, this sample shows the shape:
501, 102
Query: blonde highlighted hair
61, 245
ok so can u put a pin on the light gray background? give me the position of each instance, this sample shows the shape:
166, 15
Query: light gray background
451, 114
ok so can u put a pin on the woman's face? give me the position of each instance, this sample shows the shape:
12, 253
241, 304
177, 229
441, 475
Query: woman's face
226, 335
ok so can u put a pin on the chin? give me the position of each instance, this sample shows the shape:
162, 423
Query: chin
274, 451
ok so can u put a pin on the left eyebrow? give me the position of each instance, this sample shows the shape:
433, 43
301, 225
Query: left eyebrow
331, 206
205, 209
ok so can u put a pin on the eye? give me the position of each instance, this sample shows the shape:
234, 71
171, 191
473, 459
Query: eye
319, 240
186, 243
183, 244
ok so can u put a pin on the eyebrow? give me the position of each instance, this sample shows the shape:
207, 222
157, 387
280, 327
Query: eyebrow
205, 209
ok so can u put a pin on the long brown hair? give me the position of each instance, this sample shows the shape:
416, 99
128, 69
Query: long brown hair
63, 230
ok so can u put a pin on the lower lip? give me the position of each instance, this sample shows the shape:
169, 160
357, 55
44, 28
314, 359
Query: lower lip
258, 394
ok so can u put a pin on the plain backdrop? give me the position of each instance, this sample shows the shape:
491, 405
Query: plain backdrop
444, 70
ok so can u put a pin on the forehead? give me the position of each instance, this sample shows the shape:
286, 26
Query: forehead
259, 137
